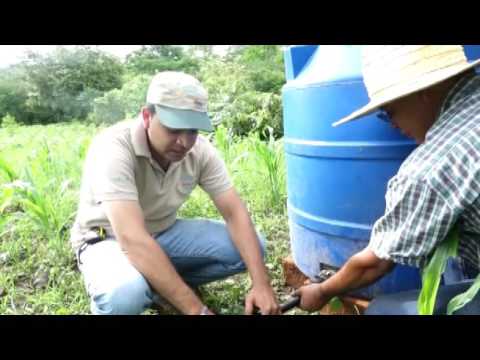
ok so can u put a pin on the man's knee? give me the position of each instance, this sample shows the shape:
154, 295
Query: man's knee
129, 298
236, 259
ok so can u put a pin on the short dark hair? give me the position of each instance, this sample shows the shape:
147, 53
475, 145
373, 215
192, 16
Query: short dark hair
150, 108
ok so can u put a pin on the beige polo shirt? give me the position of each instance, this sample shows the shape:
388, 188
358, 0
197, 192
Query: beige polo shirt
119, 166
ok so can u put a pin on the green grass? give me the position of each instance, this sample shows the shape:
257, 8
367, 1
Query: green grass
40, 171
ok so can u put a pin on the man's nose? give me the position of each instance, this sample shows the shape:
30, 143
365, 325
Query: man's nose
184, 139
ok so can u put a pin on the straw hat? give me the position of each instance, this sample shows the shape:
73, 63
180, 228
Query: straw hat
391, 72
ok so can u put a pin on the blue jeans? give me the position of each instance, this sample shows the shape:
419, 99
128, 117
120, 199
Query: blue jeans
200, 250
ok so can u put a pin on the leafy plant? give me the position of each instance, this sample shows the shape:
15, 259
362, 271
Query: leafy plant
8, 170
431, 274
463, 299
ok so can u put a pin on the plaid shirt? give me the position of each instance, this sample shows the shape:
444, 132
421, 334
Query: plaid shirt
437, 186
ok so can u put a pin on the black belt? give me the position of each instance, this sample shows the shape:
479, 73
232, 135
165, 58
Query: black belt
101, 236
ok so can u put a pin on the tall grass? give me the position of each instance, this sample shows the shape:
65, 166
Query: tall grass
8, 170
270, 160
40, 169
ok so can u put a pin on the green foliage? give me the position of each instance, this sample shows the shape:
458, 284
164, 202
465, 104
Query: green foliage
119, 104
8, 170
155, 58
270, 161
13, 96
265, 67
63, 84
254, 112
463, 299
432, 273
244, 90
108, 109
244, 87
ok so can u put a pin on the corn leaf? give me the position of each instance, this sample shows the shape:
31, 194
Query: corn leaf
7, 169
6, 199
432, 273
37, 212
463, 299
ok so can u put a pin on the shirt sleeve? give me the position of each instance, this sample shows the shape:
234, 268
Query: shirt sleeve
214, 178
112, 172
416, 220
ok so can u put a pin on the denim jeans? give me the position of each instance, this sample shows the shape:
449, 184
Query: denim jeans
200, 250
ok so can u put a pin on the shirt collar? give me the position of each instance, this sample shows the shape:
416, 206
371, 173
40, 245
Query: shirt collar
139, 139
462, 89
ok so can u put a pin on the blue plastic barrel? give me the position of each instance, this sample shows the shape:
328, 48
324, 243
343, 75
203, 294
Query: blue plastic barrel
336, 177
472, 52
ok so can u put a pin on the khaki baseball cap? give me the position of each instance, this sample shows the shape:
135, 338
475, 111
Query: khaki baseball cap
180, 101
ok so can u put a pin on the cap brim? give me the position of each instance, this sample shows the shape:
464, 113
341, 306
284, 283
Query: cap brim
183, 119
374, 105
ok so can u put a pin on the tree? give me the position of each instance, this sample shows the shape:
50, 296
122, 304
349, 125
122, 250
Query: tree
13, 95
200, 51
64, 83
151, 59
236, 103
265, 66
118, 104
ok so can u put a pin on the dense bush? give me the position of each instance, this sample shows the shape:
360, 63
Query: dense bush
14, 96
245, 89
119, 104
253, 111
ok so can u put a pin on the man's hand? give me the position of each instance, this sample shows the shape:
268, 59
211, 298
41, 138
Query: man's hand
362, 269
312, 297
263, 298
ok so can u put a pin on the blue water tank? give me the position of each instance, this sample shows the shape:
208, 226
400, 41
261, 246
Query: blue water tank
472, 52
337, 177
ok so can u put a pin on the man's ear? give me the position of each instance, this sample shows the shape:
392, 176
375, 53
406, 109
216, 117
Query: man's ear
146, 116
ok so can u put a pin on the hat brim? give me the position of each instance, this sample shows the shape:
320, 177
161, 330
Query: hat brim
183, 119
408, 89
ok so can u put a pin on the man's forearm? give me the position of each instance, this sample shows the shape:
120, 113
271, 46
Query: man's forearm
359, 271
152, 262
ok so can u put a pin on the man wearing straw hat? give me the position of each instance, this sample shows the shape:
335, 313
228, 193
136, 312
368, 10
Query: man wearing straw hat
432, 94
130, 246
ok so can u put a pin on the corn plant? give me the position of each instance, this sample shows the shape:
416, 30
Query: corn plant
6, 199
39, 208
223, 142
432, 273
269, 158
463, 299
8, 171
431, 276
